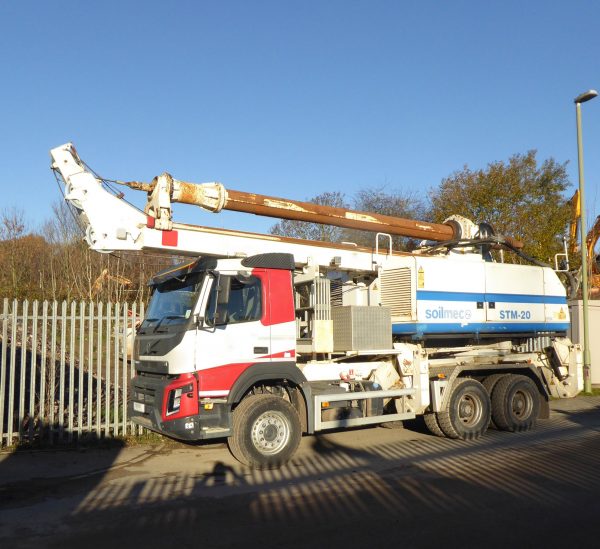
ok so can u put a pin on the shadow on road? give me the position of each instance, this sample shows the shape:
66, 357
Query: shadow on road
505, 488
67, 475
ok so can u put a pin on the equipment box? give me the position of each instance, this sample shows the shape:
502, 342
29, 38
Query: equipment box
360, 328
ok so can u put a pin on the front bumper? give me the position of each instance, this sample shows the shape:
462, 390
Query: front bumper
146, 405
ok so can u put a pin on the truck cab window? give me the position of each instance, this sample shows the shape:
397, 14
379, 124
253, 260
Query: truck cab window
244, 304
172, 302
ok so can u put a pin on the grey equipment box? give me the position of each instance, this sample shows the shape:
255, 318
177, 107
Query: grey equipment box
361, 328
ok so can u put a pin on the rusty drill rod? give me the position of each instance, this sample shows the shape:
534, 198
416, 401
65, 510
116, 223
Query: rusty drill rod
283, 208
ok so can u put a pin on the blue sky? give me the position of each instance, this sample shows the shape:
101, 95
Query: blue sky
291, 98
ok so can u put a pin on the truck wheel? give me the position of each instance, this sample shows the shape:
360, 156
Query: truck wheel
433, 424
515, 403
266, 432
467, 411
489, 383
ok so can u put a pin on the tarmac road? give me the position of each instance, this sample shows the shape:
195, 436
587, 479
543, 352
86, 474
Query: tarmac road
376, 487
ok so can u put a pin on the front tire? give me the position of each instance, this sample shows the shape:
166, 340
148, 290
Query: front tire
467, 412
515, 403
266, 432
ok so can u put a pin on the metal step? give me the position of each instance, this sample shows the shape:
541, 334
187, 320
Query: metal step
362, 395
215, 432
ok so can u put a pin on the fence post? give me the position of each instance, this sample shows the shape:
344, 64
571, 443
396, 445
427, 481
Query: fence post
43, 368
11, 375
62, 381
107, 377
142, 315
124, 358
90, 372
71, 372
116, 400
33, 372
80, 371
99, 371
52, 381
3, 367
22, 368
131, 364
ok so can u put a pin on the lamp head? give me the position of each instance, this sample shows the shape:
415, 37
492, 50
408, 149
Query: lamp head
586, 96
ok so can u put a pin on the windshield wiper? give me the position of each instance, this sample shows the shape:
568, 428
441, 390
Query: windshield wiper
168, 317
143, 327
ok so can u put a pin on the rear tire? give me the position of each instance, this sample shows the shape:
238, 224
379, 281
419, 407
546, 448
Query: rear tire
467, 412
515, 403
433, 424
489, 383
266, 432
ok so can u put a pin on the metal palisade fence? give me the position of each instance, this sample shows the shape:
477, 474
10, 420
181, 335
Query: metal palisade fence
65, 370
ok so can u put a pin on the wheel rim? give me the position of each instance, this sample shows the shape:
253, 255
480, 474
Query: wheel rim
270, 432
521, 405
469, 410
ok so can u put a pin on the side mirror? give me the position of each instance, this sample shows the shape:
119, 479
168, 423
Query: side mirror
216, 313
223, 289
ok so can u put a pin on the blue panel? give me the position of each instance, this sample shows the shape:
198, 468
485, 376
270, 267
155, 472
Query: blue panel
421, 328
519, 298
423, 295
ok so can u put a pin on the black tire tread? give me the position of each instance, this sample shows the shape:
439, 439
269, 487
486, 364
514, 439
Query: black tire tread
432, 423
489, 383
446, 426
500, 404
446, 417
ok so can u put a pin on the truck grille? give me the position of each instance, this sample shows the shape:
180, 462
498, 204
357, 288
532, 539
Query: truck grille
143, 393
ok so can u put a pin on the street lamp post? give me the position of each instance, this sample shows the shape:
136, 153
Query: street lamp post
587, 373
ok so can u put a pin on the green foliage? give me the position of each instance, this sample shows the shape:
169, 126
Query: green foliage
518, 197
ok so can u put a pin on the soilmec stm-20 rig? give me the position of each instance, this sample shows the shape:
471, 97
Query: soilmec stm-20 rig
260, 338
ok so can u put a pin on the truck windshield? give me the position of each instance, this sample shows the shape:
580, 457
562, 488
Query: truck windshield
172, 302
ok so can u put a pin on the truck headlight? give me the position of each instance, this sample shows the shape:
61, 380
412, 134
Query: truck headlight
174, 403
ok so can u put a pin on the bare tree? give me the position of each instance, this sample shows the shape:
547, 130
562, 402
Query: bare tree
314, 231
373, 200
395, 203
12, 230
